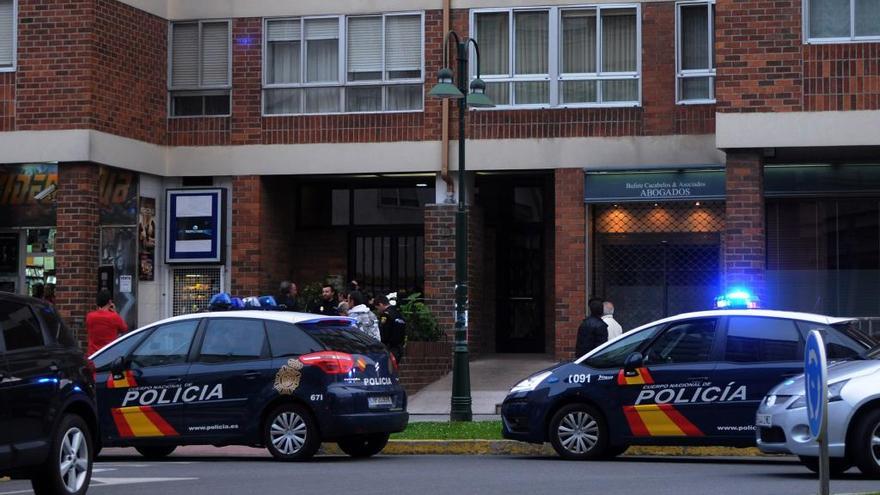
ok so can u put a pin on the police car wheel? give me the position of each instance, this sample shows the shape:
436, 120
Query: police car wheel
290, 433
156, 451
363, 445
866, 444
836, 465
578, 431
68, 468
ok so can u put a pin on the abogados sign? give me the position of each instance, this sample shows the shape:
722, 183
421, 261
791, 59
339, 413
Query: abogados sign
653, 186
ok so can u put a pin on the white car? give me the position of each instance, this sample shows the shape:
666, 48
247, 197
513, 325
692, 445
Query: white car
853, 417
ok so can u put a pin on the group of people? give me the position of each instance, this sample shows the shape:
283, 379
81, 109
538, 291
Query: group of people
375, 316
597, 328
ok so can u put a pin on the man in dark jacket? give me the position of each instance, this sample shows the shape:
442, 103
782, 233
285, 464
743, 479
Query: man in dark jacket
392, 327
593, 331
327, 304
286, 299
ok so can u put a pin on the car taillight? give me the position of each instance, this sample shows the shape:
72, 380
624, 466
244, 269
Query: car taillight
91, 370
394, 366
330, 362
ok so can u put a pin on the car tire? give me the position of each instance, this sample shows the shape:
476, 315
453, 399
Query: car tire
865, 451
836, 465
154, 452
364, 445
290, 433
68, 469
579, 432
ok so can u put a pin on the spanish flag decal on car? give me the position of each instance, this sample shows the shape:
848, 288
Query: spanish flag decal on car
124, 380
643, 377
141, 421
659, 420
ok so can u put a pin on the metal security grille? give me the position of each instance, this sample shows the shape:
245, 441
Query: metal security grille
388, 262
655, 261
192, 288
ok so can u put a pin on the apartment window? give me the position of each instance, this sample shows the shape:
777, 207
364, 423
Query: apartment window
343, 64
695, 60
579, 56
7, 35
842, 20
200, 68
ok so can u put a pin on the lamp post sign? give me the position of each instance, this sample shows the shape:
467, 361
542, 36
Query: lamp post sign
816, 385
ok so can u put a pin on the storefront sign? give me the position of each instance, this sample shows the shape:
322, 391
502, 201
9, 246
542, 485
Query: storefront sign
195, 226
653, 186
117, 198
820, 180
27, 195
147, 239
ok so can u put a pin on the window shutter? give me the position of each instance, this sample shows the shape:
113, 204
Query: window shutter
322, 29
288, 30
403, 42
185, 55
215, 54
7, 32
365, 44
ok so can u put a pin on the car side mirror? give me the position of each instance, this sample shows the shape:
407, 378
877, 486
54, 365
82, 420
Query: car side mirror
118, 365
633, 362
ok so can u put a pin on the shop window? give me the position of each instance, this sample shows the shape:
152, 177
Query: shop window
842, 20
7, 35
193, 287
200, 80
695, 61
381, 57
594, 61
40, 262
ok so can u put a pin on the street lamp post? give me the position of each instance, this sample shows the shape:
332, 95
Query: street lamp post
461, 381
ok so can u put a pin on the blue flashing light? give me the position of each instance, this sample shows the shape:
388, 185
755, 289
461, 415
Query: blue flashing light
237, 303
267, 302
251, 302
737, 299
47, 380
220, 302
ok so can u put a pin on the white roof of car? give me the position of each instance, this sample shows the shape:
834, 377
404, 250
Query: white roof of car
283, 316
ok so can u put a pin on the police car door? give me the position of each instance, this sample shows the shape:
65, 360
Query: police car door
229, 373
758, 353
665, 398
144, 399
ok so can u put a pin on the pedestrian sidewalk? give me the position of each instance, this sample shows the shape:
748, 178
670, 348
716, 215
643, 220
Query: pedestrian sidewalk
492, 376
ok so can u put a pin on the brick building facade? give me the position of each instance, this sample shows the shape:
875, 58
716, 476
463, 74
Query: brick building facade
90, 84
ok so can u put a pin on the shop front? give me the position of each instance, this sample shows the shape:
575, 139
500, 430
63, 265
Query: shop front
654, 241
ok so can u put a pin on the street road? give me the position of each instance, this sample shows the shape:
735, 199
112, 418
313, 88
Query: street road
436, 475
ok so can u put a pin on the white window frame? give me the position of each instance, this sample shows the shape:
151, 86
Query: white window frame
555, 75
342, 80
852, 38
680, 73
200, 90
14, 66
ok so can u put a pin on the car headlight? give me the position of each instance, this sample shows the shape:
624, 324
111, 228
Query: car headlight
833, 395
531, 382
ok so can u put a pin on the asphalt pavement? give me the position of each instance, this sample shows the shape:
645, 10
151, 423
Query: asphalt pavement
454, 475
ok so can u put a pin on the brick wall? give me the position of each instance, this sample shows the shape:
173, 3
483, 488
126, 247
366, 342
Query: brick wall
7, 101
76, 242
570, 256
424, 363
842, 77
247, 203
319, 254
743, 242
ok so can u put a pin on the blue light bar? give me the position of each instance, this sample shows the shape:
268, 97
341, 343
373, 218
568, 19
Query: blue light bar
737, 299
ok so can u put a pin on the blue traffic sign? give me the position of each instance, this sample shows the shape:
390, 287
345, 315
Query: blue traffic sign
816, 383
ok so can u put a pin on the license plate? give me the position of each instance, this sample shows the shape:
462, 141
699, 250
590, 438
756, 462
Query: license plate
381, 401
763, 420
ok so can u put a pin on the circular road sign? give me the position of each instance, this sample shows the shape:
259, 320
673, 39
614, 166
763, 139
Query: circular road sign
816, 382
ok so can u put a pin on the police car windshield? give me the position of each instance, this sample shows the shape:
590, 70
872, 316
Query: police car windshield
849, 329
343, 338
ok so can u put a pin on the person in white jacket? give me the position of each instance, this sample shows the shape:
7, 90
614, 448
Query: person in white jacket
614, 328
366, 320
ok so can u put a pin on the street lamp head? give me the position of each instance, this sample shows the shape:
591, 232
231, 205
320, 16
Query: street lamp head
477, 97
444, 87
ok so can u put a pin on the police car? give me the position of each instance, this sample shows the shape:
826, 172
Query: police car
691, 379
280, 380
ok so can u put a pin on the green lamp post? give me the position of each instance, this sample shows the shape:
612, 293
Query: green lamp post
445, 88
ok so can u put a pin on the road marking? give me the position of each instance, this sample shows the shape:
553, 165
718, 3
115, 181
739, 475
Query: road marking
132, 481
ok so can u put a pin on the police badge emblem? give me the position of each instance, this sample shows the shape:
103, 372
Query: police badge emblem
287, 378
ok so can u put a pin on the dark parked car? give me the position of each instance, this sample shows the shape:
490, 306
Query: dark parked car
48, 420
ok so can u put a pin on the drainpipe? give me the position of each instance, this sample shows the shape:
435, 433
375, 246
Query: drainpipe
444, 121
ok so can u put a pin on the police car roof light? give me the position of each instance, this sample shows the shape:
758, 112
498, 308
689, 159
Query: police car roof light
737, 299
251, 303
267, 302
220, 302
329, 322
330, 362
237, 303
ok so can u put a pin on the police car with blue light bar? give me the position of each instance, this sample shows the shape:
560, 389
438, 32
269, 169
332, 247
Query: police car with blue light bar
691, 379
281, 380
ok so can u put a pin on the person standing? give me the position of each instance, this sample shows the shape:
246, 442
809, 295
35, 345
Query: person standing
104, 324
286, 300
328, 303
392, 327
614, 328
592, 331
366, 320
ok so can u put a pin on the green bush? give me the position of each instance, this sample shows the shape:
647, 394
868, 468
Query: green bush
421, 325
